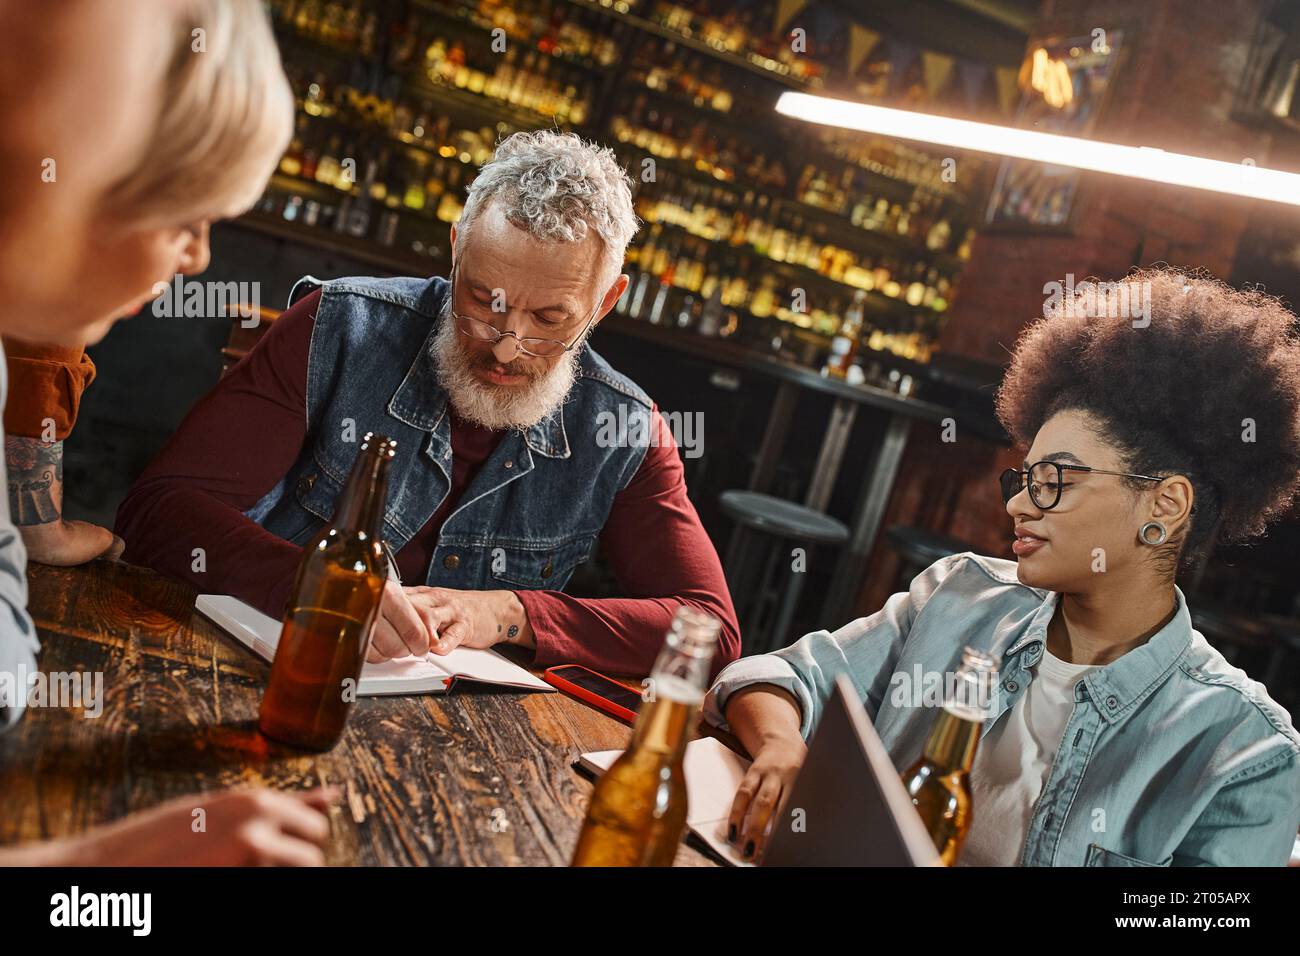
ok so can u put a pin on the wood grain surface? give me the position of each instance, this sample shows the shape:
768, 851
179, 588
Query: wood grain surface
477, 777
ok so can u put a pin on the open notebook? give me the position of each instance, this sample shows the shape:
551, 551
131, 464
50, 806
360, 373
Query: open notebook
432, 674
713, 772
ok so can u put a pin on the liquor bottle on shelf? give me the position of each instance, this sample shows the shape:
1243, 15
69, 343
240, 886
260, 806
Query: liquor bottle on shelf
862, 210
315, 103
711, 315
435, 184
639, 294
359, 210
669, 256
328, 169
621, 305
376, 178
389, 93
414, 197
939, 235
291, 161
343, 216
292, 209
369, 35
765, 297
310, 157
395, 180
451, 204
737, 294
964, 249
307, 19
914, 292
314, 214
386, 233
844, 347
689, 272
688, 315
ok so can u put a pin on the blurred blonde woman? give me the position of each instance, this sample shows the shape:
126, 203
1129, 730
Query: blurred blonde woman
127, 128
223, 117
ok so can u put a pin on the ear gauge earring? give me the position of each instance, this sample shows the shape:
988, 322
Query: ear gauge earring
1161, 533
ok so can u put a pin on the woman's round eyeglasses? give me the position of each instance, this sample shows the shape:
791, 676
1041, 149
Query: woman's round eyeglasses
1046, 479
482, 331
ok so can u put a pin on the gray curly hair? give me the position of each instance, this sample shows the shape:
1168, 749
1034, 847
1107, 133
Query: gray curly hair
557, 187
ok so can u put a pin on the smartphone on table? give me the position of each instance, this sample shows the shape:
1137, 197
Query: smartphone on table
604, 693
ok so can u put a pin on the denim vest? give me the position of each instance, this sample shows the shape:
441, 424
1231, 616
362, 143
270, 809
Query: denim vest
533, 512
1171, 755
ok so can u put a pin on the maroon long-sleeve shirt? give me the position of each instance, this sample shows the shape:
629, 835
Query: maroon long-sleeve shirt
242, 438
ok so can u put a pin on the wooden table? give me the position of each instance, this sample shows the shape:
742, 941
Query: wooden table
472, 778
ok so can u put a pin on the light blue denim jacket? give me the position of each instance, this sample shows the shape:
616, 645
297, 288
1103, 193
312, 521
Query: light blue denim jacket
1171, 756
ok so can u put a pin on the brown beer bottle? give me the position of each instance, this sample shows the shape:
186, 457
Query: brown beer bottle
638, 808
328, 618
939, 782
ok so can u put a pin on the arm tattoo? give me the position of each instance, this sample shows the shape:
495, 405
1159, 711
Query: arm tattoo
35, 470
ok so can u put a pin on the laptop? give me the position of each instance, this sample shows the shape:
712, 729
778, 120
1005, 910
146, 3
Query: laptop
848, 806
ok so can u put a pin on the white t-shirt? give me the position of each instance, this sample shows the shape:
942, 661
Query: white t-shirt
1013, 760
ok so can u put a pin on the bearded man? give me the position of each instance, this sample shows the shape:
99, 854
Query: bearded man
505, 478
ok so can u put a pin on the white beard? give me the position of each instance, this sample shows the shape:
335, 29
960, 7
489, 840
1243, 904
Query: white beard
493, 406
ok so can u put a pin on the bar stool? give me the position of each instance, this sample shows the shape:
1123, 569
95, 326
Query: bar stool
782, 525
919, 549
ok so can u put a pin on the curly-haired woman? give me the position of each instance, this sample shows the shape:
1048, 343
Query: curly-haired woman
1119, 736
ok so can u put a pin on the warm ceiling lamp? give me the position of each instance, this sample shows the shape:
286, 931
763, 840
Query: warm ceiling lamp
1140, 162
1051, 78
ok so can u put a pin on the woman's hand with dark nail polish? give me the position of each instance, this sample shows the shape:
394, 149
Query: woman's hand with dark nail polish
754, 812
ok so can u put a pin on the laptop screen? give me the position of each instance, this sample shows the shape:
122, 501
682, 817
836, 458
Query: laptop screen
848, 806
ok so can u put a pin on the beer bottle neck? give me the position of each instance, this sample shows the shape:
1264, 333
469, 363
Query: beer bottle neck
677, 684
952, 741
361, 506
663, 727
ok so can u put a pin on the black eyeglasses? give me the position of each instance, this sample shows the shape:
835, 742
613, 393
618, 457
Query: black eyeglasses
1047, 478
482, 331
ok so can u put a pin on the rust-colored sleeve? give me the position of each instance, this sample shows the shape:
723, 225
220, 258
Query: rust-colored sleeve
45, 386
231, 449
662, 557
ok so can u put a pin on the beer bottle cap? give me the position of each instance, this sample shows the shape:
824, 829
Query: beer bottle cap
383, 446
